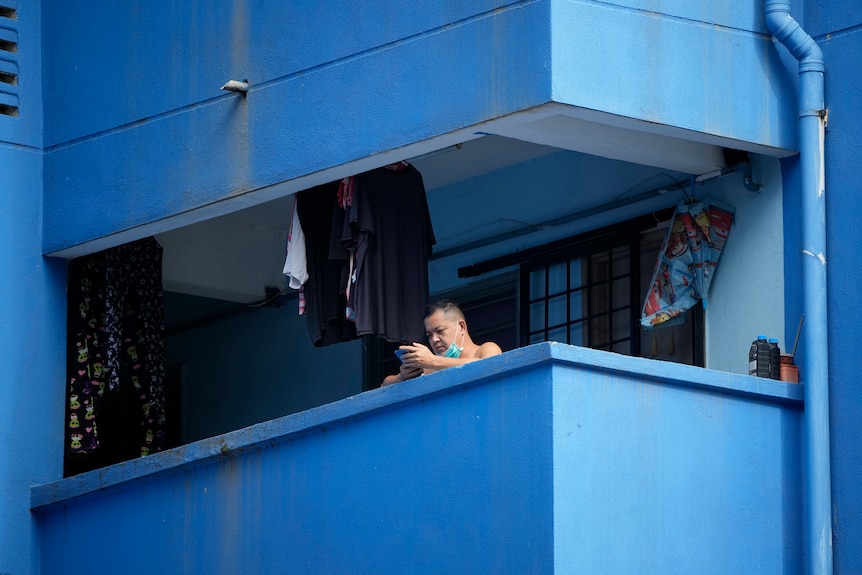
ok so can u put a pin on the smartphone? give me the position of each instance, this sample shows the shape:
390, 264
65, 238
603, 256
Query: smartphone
400, 353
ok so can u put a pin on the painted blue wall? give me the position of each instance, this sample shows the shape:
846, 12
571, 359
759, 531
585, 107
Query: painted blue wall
437, 476
746, 296
108, 109
707, 67
316, 104
545, 459
345, 82
32, 295
32, 290
259, 365
653, 474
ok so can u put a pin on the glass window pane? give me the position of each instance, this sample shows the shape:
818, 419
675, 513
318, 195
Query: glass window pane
537, 315
621, 324
624, 347
577, 273
558, 334
600, 299
578, 305
600, 331
600, 266
621, 289
576, 333
621, 260
537, 284
557, 278
557, 310
537, 337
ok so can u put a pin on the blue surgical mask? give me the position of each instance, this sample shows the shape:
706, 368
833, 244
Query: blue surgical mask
454, 350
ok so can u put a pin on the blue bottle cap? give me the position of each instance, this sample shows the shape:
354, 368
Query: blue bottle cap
773, 340
761, 337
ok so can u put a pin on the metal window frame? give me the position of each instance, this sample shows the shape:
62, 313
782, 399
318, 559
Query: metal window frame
586, 245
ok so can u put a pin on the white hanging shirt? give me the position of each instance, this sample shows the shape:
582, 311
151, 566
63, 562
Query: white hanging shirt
295, 265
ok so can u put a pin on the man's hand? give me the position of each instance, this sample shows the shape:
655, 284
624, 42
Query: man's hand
407, 372
417, 356
404, 373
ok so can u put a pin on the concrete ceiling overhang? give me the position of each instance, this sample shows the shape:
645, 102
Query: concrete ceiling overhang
232, 228
554, 125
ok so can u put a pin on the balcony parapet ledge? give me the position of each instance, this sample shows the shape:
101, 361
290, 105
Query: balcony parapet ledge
284, 429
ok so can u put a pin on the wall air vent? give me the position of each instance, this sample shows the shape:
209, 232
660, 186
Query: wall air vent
8, 73
8, 46
8, 58
8, 99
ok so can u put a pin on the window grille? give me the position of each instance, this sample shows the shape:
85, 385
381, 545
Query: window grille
589, 290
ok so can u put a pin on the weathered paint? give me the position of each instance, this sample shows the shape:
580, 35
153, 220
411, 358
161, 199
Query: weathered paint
545, 459
32, 295
688, 65
674, 486
315, 104
33, 331
316, 101
107, 96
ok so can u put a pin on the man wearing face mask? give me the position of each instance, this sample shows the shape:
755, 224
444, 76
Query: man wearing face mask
449, 341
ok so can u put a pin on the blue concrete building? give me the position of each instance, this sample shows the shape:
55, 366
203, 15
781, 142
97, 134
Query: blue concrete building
555, 138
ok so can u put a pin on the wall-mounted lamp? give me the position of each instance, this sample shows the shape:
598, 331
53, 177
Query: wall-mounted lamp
236, 86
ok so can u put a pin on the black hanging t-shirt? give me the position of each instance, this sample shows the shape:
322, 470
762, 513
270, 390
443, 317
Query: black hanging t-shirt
324, 297
389, 226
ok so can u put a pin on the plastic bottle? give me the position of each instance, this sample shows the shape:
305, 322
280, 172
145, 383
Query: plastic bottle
759, 357
774, 359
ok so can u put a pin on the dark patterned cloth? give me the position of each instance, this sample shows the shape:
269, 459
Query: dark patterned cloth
86, 355
116, 354
325, 301
135, 319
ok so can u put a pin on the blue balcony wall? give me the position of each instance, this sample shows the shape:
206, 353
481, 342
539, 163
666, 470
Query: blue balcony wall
341, 83
548, 458
443, 475
680, 471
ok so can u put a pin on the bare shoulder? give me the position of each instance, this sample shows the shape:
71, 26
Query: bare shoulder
488, 349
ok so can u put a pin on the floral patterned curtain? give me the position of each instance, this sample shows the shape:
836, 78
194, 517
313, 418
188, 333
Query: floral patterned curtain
115, 360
